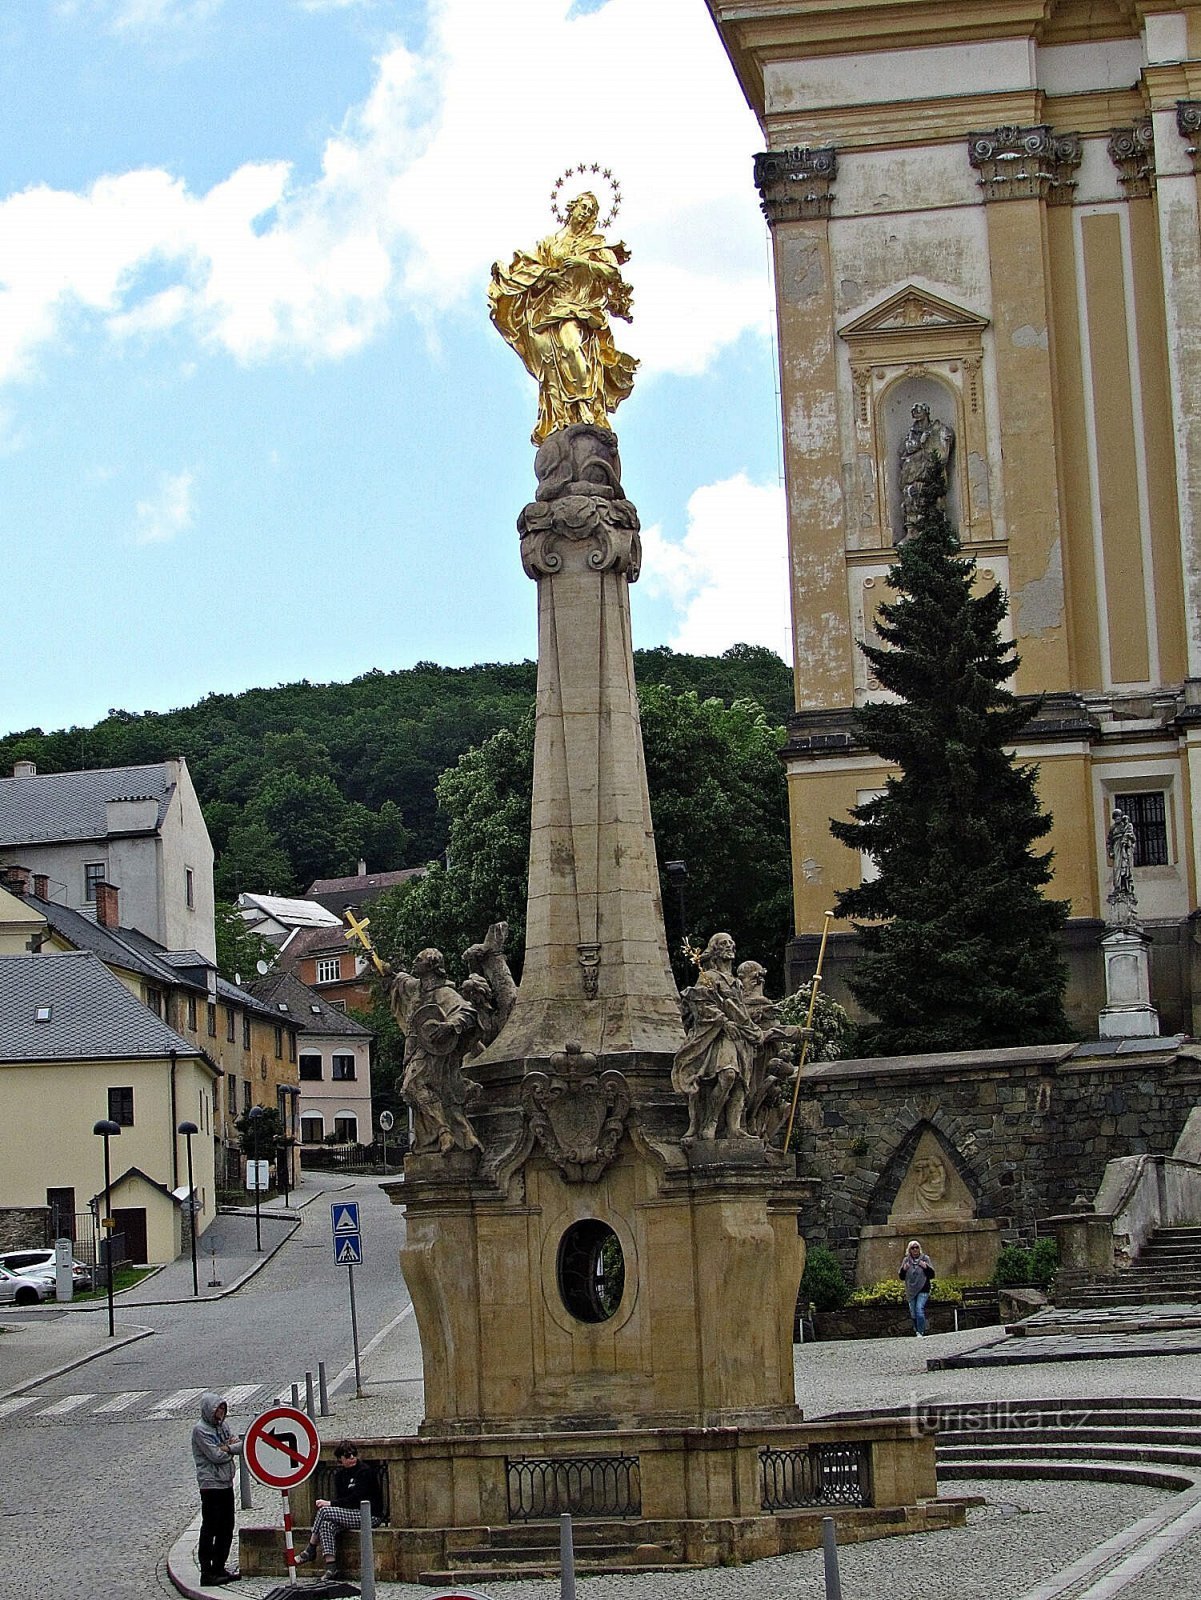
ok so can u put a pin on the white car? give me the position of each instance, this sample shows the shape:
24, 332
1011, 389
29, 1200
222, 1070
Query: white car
25, 1290
36, 1263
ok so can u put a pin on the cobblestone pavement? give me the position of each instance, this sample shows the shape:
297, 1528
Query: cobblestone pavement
1027, 1530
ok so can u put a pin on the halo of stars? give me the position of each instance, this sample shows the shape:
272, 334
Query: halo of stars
590, 172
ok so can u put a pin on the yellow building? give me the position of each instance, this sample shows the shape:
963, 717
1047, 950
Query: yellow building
77, 1048
992, 210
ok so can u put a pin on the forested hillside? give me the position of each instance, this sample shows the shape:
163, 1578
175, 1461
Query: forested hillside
302, 780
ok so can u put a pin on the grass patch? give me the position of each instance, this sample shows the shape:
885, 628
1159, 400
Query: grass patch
124, 1278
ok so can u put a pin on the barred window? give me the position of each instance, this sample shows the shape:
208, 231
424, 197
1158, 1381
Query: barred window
1148, 813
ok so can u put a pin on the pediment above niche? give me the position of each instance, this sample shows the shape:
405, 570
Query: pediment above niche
931, 1190
914, 311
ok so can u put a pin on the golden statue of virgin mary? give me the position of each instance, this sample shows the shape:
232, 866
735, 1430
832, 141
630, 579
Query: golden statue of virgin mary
554, 307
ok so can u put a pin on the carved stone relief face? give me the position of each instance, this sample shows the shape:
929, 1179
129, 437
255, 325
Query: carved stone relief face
931, 1188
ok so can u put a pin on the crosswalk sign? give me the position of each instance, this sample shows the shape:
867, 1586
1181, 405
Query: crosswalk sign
348, 1250
346, 1217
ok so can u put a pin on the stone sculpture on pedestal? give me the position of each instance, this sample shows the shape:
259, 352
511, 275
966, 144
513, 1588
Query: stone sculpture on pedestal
925, 456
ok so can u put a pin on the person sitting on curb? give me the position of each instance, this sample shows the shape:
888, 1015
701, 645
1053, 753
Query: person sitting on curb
917, 1274
354, 1482
214, 1446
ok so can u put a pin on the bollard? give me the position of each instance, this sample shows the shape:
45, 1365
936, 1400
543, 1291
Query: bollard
566, 1559
322, 1389
245, 1482
308, 1396
830, 1558
366, 1552
295, 1397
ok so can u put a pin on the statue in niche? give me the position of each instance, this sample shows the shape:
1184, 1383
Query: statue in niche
443, 1026
774, 1065
924, 459
1119, 846
714, 1065
930, 1182
553, 307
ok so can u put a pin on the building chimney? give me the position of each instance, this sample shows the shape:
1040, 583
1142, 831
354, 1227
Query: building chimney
41, 885
15, 879
106, 906
25, 769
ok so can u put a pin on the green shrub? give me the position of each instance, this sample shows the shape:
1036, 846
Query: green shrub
891, 1292
1013, 1267
1044, 1262
823, 1282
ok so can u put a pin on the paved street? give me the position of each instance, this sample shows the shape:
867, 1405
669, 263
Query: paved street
96, 1478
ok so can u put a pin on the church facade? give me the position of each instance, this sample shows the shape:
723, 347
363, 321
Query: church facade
990, 214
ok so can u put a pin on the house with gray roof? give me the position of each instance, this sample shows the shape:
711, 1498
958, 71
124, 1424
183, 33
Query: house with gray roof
78, 1047
139, 829
335, 1062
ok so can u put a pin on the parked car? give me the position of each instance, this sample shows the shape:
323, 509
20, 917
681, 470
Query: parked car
24, 1262
25, 1290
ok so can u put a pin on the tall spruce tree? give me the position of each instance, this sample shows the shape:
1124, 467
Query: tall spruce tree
959, 943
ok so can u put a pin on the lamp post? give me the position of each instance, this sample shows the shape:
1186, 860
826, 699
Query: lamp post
676, 873
105, 1130
188, 1129
255, 1118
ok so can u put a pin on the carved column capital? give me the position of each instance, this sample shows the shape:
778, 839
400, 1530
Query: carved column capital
1132, 151
602, 533
1188, 121
796, 185
1026, 163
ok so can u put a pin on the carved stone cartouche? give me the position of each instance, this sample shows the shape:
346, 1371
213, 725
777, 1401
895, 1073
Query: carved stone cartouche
575, 1113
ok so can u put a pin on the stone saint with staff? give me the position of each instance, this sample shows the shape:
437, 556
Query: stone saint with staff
553, 306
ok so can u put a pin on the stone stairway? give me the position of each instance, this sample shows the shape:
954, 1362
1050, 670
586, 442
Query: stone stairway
1125, 1440
531, 1550
1166, 1272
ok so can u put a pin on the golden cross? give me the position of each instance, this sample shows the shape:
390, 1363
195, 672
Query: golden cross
358, 930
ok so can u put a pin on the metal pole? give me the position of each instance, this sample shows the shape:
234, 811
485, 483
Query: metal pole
245, 1480
295, 1397
366, 1552
308, 1396
322, 1389
258, 1173
192, 1215
289, 1547
817, 978
354, 1333
830, 1559
108, 1236
566, 1559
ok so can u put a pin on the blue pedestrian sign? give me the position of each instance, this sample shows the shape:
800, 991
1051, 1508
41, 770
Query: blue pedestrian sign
348, 1250
346, 1217
348, 1239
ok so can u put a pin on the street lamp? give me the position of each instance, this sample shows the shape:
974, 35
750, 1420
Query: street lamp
255, 1118
676, 873
188, 1129
105, 1130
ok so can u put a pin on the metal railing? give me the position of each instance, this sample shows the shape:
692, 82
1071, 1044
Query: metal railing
544, 1487
819, 1475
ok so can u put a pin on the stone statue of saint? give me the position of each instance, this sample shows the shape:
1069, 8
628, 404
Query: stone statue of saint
1119, 845
554, 308
440, 1026
924, 458
774, 1066
713, 1066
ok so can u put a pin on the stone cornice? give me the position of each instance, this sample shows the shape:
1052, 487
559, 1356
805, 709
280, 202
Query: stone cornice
583, 531
796, 185
1026, 163
1132, 151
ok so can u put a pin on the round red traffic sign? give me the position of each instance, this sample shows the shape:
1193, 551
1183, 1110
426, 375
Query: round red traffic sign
460, 1594
281, 1447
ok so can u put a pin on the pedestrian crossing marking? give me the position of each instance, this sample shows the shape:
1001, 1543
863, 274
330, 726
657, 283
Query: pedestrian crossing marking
70, 1402
177, 1401
239, 1394
7, 1407
121, 1402
349, 1252
346, 1217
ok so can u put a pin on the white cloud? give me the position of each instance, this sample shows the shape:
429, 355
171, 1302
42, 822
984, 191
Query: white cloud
728, 576
445, 165
167, 513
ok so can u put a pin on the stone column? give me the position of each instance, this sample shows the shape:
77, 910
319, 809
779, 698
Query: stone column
1028, 169
796, 189
596, 963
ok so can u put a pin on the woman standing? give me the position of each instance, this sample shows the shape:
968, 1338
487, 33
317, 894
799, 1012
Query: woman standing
917, 1274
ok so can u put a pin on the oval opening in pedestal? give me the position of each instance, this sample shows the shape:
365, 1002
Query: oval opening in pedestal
591, 1270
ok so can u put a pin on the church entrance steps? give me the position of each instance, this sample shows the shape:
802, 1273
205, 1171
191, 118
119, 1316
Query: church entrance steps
1167, 1271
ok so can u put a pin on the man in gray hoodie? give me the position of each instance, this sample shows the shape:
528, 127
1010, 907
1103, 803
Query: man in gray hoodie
214, 1446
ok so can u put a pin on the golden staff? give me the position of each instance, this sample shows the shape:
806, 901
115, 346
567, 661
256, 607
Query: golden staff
817, 978
358, 930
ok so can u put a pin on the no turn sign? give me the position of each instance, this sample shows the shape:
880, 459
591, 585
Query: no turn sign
281, 1447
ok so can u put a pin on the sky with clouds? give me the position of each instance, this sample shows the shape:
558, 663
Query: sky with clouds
255, 425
